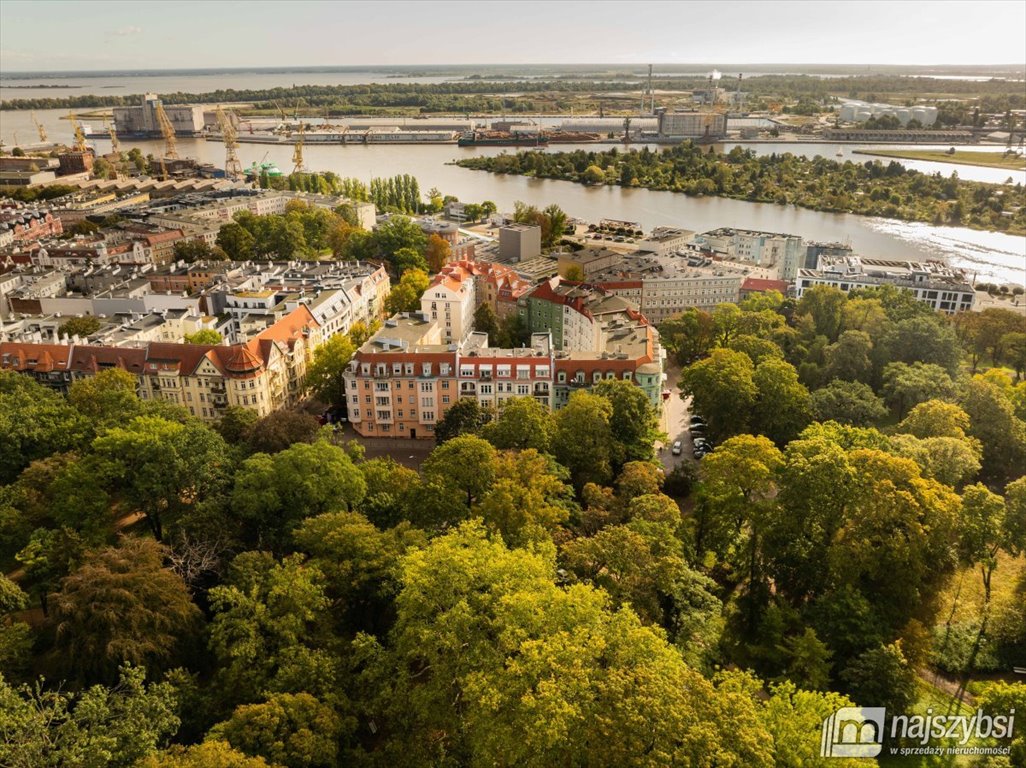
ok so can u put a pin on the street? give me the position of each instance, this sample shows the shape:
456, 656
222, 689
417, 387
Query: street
674, 423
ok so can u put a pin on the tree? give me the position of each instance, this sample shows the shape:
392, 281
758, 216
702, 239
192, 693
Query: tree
83, 327
291, 730
949, 460
325, 375
106, 398
783, 407
988, 528
206, 336
273, 494
522, 423
529, 499
279, 429
1013, 346
849, 402
882, 677
756, 348
794, 716
269, 625
723, 390
463, 417
405, 297
524, 672
993, 422
924, 339
209, 754
236, 241
196, 249
905, 386
808, 662
35, 422
438, 253
15, 636
583, 439
634, 422
163, 467
465, 463
121, 605
824, 304
688, 336
235, 424
936, 418
849, 358
739, 479
116, 727
485, 321
593, 175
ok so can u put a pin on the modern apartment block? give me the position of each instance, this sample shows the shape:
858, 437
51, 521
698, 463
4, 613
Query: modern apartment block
785, 253
943, 288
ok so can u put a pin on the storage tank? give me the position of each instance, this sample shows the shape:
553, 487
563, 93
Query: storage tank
903, 115
847, 112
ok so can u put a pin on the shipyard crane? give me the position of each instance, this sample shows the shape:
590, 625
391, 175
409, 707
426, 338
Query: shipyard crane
115, 145
297, 154
39, 128
167, 130
76, 127
232, 166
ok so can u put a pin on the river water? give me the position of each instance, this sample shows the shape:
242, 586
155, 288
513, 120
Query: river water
992, 256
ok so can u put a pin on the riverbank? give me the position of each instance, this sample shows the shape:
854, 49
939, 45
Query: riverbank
983, 159
873, 189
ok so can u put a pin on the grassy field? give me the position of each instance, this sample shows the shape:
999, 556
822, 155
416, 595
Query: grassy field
986, 159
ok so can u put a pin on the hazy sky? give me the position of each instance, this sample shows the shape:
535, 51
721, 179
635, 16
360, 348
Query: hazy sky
153, 34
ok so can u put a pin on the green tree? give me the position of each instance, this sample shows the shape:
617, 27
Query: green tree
269, 627
1013, 352
465, 463
204, 336
115, 727
593, 175
209, 754
405, 297
325, 375
882, 677
583, 439
848, 402
824, 304
15, 636
485, 321
905, 385
465, 416
163, 467
106, 398
291, 730
688, 336
35, 422
279, 429
994, 423
236, 241
849, 358
235, 424
522, 423
936, 418
120, 606
925, 339
634, 422
783, 407
273, 494
197, 249
988, 528
83, 327
723, 390
528, 499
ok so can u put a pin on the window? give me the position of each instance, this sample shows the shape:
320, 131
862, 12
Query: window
425, 369
427, 416
381, 401
561, 377
367, 398
523, 389
445, 399
427, 386
445, 385
381, 386
426, 401
485, 389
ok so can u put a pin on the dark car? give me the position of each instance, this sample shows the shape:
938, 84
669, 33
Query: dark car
696, 420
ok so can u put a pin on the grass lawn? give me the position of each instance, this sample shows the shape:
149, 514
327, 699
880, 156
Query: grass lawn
987, 159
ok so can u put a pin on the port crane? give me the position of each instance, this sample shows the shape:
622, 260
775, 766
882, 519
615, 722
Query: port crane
232, 166
39, 127
297, 154
115, 145
76, 127
167, 130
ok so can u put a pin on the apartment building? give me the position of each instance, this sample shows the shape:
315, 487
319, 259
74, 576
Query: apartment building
931, 282
785, 253
451, 299
401, 382
264, 374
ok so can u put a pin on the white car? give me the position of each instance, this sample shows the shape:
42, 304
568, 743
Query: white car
676, 448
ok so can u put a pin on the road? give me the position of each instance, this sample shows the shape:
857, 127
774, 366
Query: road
674, 422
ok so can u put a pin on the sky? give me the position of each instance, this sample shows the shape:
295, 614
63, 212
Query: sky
58, 35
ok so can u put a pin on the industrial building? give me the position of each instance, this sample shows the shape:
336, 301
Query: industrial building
861, 111
691, 125
143, 121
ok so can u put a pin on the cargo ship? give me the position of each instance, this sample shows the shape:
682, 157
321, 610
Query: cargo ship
501, 139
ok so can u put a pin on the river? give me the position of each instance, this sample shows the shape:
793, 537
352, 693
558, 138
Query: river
992, 256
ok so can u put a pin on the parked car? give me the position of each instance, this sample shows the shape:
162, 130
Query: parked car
677, 446
698, 430
696, 419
